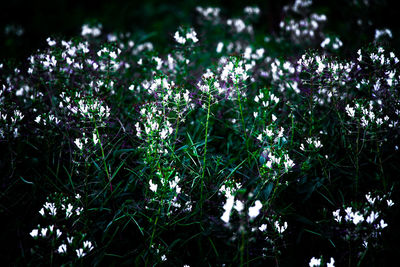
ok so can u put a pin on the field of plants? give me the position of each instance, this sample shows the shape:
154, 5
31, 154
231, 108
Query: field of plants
227, 146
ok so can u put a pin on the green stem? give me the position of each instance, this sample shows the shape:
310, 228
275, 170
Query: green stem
356, 159
103, 157
242, 117
154, 231
205, 153
380, 165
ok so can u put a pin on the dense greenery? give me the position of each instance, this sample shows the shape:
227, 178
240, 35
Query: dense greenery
221, 145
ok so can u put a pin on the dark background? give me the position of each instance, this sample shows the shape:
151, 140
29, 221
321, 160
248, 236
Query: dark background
64, 18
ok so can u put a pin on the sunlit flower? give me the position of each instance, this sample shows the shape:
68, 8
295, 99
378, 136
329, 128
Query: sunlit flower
34, 232
315, 262
255, 210
62, 249
80, 253
153, 187
331, 263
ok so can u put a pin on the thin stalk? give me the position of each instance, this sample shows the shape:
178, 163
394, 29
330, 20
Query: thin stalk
154, 231
177, 128
104, 158
380, 165
356, 159
205, 153
242, 117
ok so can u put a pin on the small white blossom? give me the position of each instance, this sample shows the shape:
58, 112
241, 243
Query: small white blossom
382, 224
80, 253
78, 143
255, 210
331, 263
239, 206
153, 187
43, 232
62, 249
227, 207
34, 232
58, 233
88, 245
336, 215
41, 211
50, 42
372, 217
263, 227
95, 139
282, 228
315, 262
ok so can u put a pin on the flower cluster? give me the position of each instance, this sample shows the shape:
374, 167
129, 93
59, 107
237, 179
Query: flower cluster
364, 223
314, 262
62, 212
189, 35
305, 29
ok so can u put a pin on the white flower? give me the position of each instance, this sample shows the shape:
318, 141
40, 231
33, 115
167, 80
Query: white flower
51, 42
51, 208
113, 55
163, 258
78, 210
43, 232
372, 217
282, 228
34, 232
255, 210
325, 42
179, 39
70, 239
80, 253
357, 218
302, 147
192, 35
331, 263
62, 249
58, 233
95, 139
88, 245
390, 202
369, 199
268, 132
153, 187
239, 206
263, 227
219, 47
314, 262
269, 164
41, 211
336, 215
78, 143
349, 213
383, 224
227, 207
350, 111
